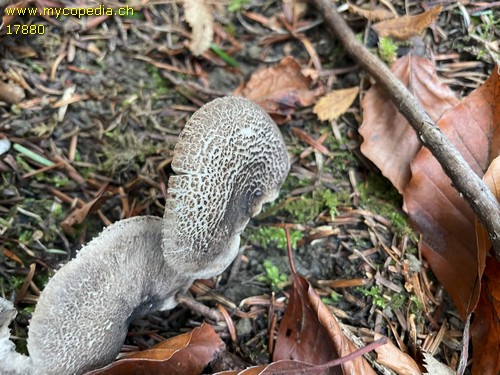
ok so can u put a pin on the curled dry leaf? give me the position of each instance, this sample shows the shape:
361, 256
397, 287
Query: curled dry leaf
389, 141
407, 26
485, 329
78, 215
435, 207
374, 14
188, 353
280, 89
391, 356
335, 103
199, 17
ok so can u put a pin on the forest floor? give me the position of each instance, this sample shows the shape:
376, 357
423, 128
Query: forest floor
101, 101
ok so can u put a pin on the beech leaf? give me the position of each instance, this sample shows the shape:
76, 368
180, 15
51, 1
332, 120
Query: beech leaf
485, 329
280, 89
435, 207
389, 140
407, 26
492, 179
373, 14
335, 103
188, 353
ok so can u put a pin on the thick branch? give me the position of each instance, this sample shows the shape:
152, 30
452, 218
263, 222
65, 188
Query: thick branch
464, 179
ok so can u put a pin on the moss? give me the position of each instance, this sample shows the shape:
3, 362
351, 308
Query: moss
379, 196
304, 209
16, 282
397, 300
25, 236
483, 33
387, 49
416, 306
57, 211
22, 165
329, 199
157, 84
28, 310
267, 235
293, 182
374, 292
342, 158
377, 186
53, 180
46, 213
231, 29
412, 250
333, 299
236, 5
272, 275
124, 153
309, 206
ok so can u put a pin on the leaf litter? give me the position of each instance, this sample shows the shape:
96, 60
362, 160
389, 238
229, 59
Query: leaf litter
407, 26
446, 221
361, 242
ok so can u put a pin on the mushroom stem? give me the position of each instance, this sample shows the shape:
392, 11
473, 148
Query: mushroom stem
83, 314
10, 361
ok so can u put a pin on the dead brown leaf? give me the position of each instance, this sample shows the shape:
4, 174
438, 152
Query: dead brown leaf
407, 26
308, 324
335, 103
78, 215
373, 14
438, 211
389, 141
199, 17
186, 354
485, 329
280, 89
391, 356
492, 179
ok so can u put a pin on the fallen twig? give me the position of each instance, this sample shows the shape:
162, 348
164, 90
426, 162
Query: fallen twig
476, 193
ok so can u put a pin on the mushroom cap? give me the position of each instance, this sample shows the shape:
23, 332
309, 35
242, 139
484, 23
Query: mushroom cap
82, 316
229, 160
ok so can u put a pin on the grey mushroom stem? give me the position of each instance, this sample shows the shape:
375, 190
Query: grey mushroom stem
230, 160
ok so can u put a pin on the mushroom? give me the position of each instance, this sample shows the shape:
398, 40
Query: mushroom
82, 316
230, 159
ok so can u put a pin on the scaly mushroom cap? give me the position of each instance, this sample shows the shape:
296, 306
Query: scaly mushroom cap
230, 159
